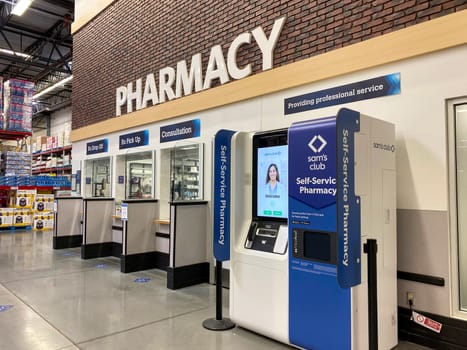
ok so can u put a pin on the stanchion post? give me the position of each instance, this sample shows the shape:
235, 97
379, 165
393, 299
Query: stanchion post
371, 249
219, 323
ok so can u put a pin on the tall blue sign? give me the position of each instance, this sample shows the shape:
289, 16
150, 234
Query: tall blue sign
348, 204
135, 139
180, 131
221, 204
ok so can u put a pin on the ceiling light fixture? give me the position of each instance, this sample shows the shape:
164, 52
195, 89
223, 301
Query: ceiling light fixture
53, 87
20, 7
15, 53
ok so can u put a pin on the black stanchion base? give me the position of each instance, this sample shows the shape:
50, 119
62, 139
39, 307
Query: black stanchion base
218, 325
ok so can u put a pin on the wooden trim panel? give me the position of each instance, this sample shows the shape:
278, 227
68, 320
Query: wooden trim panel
85, 13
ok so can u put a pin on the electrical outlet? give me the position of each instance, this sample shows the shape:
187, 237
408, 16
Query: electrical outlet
410, 298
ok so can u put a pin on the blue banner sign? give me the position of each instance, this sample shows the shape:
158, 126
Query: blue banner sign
135, 139
99, 146
363, 90
180, 131
312, 178
221, 205
313, 273
348, 204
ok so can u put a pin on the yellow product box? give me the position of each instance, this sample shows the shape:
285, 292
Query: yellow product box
6, 217
41, 140
43, 221
22, 217
44, 202
25, 199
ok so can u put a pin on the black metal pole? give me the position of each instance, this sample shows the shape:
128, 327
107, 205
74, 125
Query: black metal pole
371, 249
218, 290
218, 323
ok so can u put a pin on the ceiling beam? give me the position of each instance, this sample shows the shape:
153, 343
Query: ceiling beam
62, 3
22, 61
14, 29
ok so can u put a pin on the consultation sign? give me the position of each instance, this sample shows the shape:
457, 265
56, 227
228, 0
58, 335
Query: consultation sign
362, 90
180, 131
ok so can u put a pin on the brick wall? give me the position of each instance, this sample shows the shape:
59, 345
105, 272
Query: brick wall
133, 38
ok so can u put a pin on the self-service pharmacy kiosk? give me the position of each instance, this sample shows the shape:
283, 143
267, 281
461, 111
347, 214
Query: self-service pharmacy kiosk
298, 271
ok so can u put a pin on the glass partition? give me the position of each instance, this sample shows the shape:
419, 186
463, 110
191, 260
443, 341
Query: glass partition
97, 177
181, 174
76, 180
460, 125
186, 172
139, 169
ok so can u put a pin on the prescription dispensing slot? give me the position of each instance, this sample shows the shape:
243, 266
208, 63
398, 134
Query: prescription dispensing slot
315, 245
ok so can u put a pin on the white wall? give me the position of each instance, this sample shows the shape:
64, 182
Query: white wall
419, 114
59, 121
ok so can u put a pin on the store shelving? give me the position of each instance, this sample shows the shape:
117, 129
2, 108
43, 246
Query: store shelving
54, 161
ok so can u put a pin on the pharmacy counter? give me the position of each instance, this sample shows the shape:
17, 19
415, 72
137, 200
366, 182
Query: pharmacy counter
67, 217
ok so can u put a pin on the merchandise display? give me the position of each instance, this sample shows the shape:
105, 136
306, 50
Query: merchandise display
43, 217
16, 164
18, 105
52, 161
1, 105
6, 217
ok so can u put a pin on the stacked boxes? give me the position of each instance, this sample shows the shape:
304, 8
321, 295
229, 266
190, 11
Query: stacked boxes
2, 126
27, 208
24, 202
16, 164
6, 217
18, 104
39, 180
41, 143
43, 212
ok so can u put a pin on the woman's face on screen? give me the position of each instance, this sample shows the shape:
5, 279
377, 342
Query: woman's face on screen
272, 173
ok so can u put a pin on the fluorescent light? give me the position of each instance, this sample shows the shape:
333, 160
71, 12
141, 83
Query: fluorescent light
53, 87
14, 53
20, 7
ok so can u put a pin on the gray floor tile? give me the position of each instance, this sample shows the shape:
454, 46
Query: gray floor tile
22, 328
61, 302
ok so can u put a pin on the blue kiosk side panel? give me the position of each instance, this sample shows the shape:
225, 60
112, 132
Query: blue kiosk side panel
319, 309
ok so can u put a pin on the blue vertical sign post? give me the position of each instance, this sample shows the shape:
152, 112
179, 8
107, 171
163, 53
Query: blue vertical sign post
348, 204
221, 222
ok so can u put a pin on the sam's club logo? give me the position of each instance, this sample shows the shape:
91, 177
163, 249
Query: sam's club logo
317, 143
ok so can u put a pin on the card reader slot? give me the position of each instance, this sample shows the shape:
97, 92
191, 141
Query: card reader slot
266, 232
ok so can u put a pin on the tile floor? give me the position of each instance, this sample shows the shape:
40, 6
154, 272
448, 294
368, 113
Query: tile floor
54, 300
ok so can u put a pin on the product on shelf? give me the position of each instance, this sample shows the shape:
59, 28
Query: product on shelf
43, 203
6, 217
22, 217
2, 126
39, 180
18, 105
25, 199
15, 163
44, 221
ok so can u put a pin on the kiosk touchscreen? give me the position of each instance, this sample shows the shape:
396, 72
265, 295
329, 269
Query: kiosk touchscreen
270, 195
